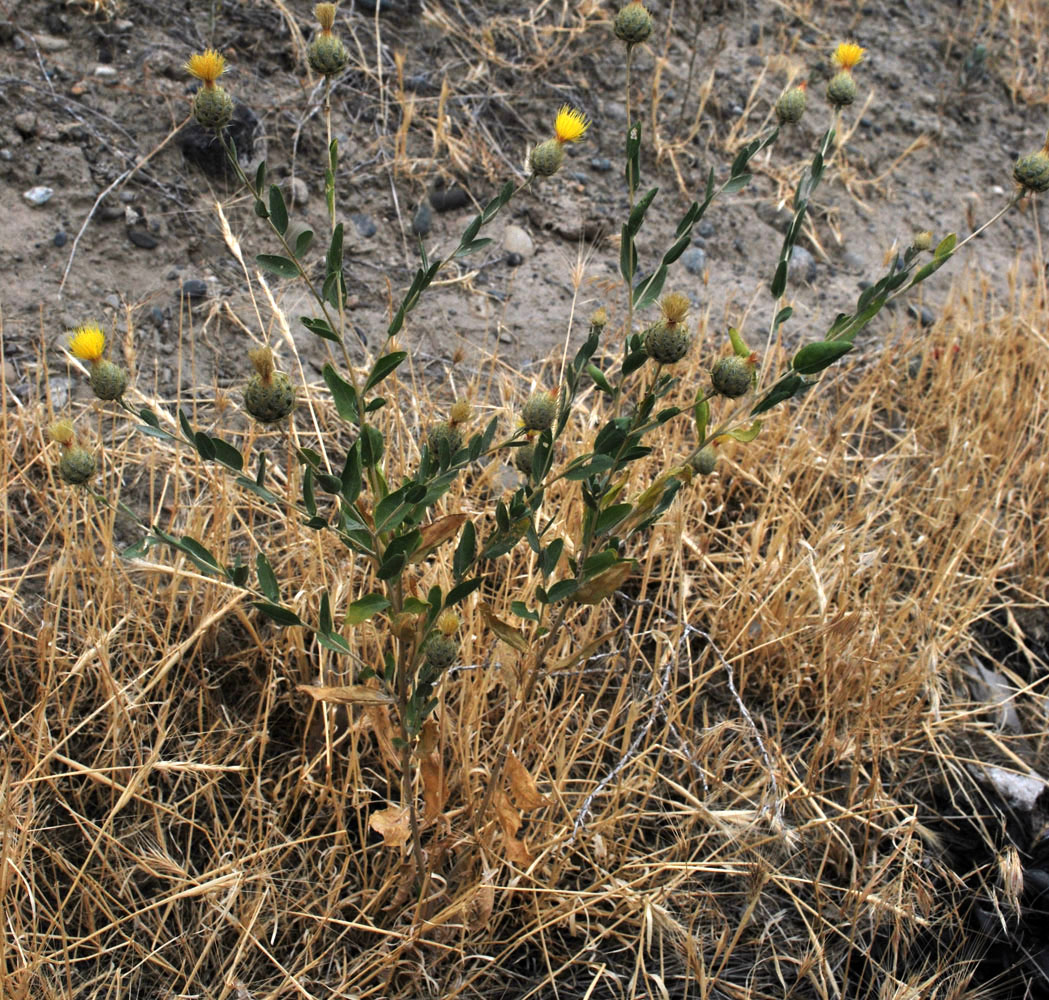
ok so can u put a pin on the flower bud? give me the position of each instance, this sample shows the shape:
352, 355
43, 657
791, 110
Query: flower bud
441, 652
922, 241
328, 55
791, 106
667, 343
546, 158
732, 376
108, 380
633, 24
524, 457
448, 622
269, 396
77, 465
212, 108
1032, 171
460, 411
539, 411
704, 461
841, 91
447, 433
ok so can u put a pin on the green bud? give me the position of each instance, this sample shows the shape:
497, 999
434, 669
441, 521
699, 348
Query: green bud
841, 91
791, 106
108, 381
732, 376
546, 158
445, 432
441, 651
77, 465
705, 460
633, 24
523, 458
212, 108
539, 411
667, 343
327, 55
269, 400
1032, 172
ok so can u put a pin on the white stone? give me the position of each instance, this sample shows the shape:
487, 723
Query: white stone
516, 240
38, 195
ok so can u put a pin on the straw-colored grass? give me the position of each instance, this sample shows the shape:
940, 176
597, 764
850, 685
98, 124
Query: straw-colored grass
733, 788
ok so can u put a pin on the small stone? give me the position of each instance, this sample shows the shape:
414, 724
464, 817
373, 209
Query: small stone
694, 260
601, 164
106, 72
156, 315
924, 315
365, 224
517, 241
448, 199
123, 25
299, 192
514, 260
6, 154
852, 262
25, 122
49, 43
802, 264
38, 195
422, 221
143, 238
60, 238
194, 289
705, 228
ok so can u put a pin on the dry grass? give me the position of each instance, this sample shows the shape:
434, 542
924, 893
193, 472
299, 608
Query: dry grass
733, 791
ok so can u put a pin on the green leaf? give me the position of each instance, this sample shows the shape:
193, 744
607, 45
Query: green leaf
282, 616
813, 358
187, 428
561, 591
227, 454
351, 475
599, 379
333, 641
465, 551
342, 393
260, 176
385, 366
278, 265
363, 608
257, 489
783, 390
627, 255
307, 492
520, 609
633, 156
588, 465
267, 578
320, 328
200, 555
637, 214
946, 246
149, 417
648, 291
303, 241
325, 613
634, 361
611, 516
472, 247
463, 590
738, 347
747, 435
779, 280
498, 201
736, 183
278, 210
333, 261
701, 412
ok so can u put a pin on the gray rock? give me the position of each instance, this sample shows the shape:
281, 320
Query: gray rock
694, 260
143, 238
601, 164
298, 191
517, 241
705, 228
194, 289
448, 199
38, 195
25, 122
60, 238
802, 264
49, 43
422, 221
365, 224
778, 218
852, 262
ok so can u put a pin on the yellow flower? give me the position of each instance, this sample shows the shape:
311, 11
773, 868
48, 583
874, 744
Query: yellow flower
847, 55
88, 343
570, 124
206, 66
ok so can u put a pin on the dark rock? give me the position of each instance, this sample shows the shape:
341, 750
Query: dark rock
194, 289
602, 164
422, 221
779, 219
923, 315
705, 228
203, 149
365, 224
156, 315
60, 238
142, 238
447, 199
514, 259
694, 260
402, 8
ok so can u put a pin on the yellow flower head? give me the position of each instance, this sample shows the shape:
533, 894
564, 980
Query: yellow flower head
570, 124
88, 343
448, 623
61, 431
325, 14
206, 66
674, 308
847, 55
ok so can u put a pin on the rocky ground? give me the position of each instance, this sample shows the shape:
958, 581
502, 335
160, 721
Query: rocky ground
96, 105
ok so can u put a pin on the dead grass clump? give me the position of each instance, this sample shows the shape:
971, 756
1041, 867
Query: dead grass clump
730, 795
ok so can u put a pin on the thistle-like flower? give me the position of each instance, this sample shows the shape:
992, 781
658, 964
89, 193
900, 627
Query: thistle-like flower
569, 126
327, 54
212, 106
77, 465
633, 24
847, 55
108, 380
269, 396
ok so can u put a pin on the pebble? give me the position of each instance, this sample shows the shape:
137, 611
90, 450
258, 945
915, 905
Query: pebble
514, 260
49, 43
448, 199
25, 122
601, 164
705, 228
60, 238
299, 192
143, 238
6, 154
802, 264
156, 314
38, 195
694, 260
852, 262
517, 241
422, 221
924, 315
194, 289
106, 72
365, 224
